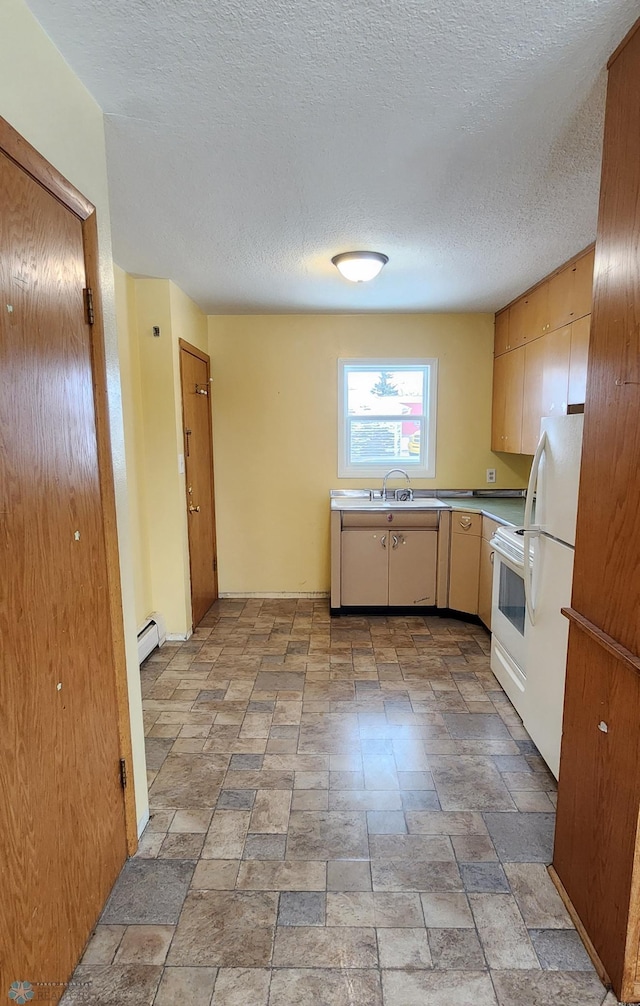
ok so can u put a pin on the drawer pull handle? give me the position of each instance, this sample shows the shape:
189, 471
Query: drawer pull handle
383, 541
465, 522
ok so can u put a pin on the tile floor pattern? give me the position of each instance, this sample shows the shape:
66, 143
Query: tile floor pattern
345, 812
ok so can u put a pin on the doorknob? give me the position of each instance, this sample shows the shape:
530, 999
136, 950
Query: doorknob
194, 509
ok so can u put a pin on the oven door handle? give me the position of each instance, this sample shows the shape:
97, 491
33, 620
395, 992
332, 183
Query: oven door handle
531, 530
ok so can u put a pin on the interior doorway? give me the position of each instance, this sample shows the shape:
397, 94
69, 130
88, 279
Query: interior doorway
198, 455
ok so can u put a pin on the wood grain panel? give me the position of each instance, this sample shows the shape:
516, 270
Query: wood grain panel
196, 413
546, 378
62, 824
606, 586
583, 286
598, 799
561, 298
577, 392
506, 421
501, 342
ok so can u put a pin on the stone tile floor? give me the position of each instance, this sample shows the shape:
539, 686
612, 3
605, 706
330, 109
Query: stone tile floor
344, 812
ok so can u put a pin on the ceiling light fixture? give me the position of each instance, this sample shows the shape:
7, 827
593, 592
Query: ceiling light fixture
359, 266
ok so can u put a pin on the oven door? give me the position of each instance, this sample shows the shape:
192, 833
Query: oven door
508, 614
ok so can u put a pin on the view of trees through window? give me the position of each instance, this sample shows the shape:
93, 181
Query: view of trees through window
385, 414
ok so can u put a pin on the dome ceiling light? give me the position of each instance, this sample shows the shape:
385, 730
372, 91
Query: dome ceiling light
359, 266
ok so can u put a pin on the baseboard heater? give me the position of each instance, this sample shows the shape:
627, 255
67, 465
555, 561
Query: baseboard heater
153, 633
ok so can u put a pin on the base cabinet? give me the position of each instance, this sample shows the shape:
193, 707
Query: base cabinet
395, 567
465, 562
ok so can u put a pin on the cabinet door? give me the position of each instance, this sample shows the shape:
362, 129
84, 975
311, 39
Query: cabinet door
485, 585
546, 382
562, 290
578, 361
508, 377
501, 340
412, 567
529, 316
583, 286
364, 566
464, 572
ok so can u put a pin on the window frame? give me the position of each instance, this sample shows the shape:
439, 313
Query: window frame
426, 466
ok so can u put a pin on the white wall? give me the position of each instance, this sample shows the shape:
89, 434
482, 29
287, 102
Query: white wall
48, 105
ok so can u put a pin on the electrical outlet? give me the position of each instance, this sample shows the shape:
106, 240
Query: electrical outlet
491, 474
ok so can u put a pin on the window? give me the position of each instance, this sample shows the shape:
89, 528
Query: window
387, 417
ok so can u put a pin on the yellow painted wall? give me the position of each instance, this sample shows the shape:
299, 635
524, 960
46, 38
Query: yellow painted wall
45, 101
150, 371
130, 379
275, 430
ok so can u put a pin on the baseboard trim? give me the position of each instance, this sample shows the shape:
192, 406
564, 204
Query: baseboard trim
582, 932
310, 595
143, 822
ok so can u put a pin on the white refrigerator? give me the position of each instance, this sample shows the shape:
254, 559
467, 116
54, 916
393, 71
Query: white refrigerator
548, 577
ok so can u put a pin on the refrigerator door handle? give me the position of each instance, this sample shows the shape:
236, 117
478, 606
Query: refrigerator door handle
531, 530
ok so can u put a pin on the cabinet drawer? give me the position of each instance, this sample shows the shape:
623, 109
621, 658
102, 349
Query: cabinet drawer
467, 523
391, 518
489, 528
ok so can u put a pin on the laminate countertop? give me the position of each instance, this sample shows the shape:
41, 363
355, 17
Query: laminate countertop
509, 510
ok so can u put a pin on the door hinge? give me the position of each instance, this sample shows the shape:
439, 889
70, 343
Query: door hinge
88, 305
215, 565
123, 773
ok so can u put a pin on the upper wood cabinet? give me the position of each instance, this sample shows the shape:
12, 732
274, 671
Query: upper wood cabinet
508, 380
546, 380
570, 292
501, 342
578, 361
548, 329
529, 316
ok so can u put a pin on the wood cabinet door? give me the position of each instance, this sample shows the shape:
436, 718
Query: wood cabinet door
364, 566
577, 392
583, 286
501, 341
546, 381
562, 298
529, 316
464, 572
485, 582
412, 567
508, 378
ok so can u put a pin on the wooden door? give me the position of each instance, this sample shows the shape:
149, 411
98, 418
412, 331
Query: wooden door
198, 454
598, 799
412, 568
62, 820
364, 566
508, 377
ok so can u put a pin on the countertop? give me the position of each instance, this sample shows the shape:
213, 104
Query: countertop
507, 511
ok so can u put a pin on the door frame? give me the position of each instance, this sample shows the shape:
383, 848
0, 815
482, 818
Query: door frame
200, 355
34, 164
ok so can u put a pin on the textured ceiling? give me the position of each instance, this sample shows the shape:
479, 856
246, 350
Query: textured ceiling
248, 141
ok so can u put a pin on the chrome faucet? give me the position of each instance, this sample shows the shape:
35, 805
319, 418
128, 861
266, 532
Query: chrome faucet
400, 471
